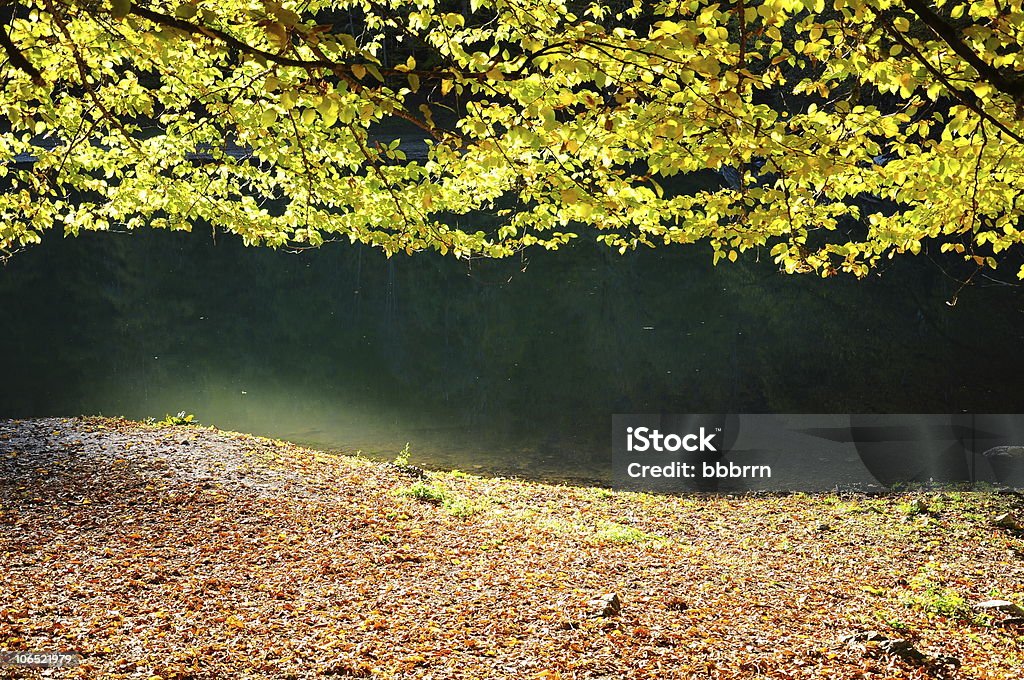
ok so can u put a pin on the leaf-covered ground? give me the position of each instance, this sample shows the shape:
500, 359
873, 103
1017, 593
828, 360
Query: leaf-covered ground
183, 552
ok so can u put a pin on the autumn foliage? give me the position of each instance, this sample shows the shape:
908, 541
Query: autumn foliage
847, 131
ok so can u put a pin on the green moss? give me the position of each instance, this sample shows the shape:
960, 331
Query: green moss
610, 532
427, 492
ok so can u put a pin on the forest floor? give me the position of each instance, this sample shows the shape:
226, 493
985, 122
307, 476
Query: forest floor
186, 552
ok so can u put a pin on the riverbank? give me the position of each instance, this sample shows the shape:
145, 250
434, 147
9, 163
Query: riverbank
186, 552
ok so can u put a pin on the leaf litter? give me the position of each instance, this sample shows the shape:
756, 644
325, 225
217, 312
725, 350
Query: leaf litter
177, 553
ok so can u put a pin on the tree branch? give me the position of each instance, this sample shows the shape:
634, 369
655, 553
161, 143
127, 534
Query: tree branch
18, 59
336, 67
227, 39
949, 35
968, 99
83, 74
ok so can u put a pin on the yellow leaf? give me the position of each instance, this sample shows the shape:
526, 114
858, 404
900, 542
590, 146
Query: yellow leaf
277, 34
982, 89
359, 71
328, 108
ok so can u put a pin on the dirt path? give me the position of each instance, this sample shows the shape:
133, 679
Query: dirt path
184, 552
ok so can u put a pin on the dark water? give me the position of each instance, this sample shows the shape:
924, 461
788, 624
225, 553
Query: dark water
511, 367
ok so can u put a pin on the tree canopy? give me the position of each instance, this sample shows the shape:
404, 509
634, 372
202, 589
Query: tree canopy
849, 130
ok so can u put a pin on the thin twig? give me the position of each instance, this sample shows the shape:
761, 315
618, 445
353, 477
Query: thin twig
967, 99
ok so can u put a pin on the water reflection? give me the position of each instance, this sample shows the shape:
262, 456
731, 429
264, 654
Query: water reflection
511, 367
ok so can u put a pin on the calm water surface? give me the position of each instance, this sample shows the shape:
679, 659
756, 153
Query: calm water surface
510, 367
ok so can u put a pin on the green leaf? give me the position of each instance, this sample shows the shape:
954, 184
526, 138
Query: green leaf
186, 11
120, 8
